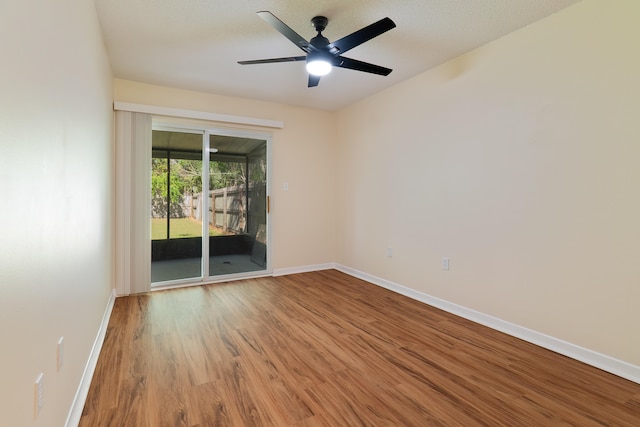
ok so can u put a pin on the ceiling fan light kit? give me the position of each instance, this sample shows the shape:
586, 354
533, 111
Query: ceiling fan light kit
318, 67
322, 55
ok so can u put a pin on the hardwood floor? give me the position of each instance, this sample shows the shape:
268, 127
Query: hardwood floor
326, 349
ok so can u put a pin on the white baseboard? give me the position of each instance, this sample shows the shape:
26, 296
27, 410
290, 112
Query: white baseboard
590, 357
73, 418
303, 269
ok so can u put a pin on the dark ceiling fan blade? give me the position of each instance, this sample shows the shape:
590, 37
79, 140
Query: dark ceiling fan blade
365, 34
354, 64
313, 80
285, 30
269, 61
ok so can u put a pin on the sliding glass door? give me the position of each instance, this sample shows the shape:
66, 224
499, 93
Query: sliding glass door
208, 183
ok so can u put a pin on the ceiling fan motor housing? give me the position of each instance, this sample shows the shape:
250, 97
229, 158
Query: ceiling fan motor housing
319, 23
319, 42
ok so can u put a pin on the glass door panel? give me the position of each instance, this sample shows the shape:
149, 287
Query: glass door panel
237, 205
176, 206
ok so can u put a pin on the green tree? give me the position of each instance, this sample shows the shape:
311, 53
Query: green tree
185, 178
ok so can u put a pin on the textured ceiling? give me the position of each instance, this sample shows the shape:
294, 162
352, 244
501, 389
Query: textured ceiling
195, 44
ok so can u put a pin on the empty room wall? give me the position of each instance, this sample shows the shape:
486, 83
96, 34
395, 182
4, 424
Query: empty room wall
519, 162
56, 192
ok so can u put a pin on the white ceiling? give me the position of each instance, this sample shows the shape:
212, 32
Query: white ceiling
195, 44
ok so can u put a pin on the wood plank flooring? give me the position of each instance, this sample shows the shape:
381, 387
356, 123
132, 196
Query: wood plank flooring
326, 349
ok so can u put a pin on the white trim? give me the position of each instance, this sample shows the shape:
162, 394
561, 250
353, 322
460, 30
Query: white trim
75, 412
269, 223
303, 269
205, 178
200, 115
177, 127
602, 361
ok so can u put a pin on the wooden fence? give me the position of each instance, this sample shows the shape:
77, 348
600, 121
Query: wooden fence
227, 208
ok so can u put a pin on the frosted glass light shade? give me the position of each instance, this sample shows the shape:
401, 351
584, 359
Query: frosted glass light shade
318, 67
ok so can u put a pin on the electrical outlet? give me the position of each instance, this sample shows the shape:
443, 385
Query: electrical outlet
445, 263
38, 396
60, 353
389, 251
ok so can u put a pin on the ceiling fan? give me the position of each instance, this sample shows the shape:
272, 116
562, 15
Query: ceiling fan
321, 55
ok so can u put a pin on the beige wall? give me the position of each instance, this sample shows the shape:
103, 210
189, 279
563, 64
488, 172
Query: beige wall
56, 194
303, 218
520, 162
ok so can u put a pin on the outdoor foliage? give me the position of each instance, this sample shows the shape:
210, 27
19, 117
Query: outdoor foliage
175, 199
226, 174
186, 180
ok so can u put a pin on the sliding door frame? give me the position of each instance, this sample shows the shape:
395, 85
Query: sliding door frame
207, 131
